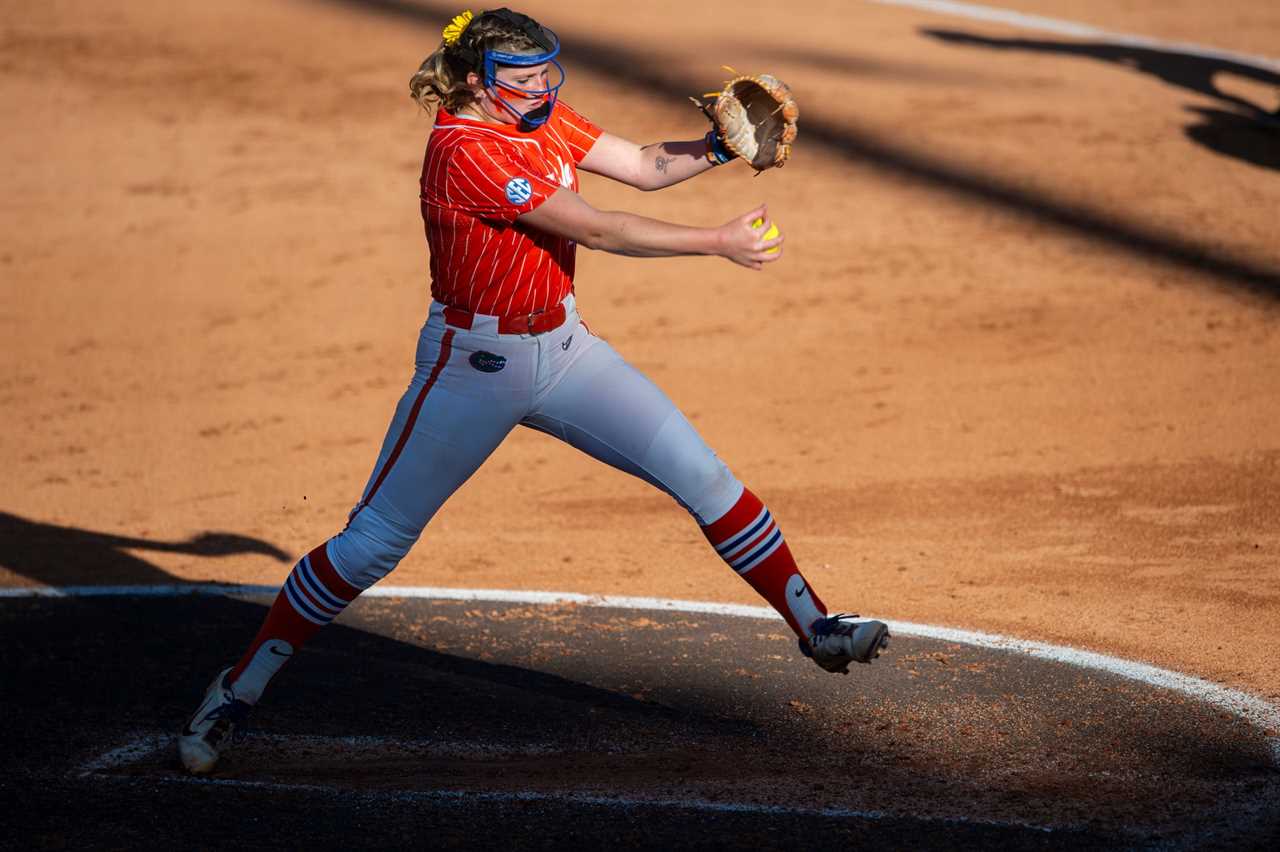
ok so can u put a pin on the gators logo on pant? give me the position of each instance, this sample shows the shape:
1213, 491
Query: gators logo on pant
487, 362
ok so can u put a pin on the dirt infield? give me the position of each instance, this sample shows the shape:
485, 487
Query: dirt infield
470, 711
1015, 374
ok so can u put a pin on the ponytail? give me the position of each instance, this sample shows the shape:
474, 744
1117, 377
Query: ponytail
441, 81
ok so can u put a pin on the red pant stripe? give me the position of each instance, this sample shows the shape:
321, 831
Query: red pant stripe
446, 346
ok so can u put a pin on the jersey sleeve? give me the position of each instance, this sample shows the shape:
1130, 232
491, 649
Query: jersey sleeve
485, 180
579, 132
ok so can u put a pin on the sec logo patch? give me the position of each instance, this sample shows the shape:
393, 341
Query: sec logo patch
518, 190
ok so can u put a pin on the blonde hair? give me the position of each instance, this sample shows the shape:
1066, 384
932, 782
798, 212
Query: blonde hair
442, 78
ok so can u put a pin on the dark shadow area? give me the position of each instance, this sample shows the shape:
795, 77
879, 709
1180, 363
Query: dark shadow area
1238, 136
1248, 133
56, 555
634, 67
99, 672
83, 676
853, 65
94, 674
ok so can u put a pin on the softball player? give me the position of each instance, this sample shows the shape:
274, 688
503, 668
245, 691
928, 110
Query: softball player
503, 346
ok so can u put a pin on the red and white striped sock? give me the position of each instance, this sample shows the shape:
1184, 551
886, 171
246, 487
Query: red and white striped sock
750, 542
311, 597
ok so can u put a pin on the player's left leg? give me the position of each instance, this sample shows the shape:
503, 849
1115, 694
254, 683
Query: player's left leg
605, 407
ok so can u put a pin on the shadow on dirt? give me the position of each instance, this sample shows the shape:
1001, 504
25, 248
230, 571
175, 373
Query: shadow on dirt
100, 671
474, 700
52, 555
1247, 132
86, 675
83, 675
535, 700
634, 67
1240, 136
57, 555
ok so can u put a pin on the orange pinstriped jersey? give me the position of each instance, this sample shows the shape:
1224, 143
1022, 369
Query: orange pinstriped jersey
476, 179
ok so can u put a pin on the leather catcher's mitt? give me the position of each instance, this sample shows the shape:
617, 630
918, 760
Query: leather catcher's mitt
755, 117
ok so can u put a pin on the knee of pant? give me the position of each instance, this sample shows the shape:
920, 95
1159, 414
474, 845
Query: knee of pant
682, 463
711, 493
370, 547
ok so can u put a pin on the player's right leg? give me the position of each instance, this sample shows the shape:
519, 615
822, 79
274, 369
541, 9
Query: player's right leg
447, 423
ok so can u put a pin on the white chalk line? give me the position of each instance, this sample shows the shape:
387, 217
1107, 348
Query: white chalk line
1256, 711
1059, 26
146, 745
143, 745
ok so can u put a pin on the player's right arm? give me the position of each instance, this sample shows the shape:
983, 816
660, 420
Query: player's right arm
566, 214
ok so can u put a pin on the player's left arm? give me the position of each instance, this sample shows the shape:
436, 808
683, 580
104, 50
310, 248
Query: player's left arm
650, 167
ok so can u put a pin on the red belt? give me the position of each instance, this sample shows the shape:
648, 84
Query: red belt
538, 322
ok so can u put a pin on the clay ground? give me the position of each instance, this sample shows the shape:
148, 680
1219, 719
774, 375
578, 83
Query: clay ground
1015, 373
431, 724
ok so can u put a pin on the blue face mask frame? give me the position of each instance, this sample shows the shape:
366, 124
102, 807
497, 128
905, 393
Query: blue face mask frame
495, 58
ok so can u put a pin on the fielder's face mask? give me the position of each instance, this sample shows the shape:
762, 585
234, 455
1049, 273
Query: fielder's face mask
487, 65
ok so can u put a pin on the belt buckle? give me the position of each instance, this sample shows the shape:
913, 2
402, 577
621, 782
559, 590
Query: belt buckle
529, 319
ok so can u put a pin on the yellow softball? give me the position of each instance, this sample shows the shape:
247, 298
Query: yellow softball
769, 234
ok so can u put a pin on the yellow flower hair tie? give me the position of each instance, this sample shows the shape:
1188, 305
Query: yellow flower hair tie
453, 32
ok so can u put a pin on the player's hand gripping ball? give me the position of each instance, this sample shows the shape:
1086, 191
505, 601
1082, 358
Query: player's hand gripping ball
768, 235
755, 118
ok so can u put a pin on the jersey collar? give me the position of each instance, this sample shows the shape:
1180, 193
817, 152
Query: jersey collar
445, 118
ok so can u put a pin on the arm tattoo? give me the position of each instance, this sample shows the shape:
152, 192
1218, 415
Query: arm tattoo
661, 163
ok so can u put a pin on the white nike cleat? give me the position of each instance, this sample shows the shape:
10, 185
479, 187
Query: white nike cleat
212, 728
838, 640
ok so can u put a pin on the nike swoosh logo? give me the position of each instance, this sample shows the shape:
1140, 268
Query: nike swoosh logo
209, 700
272, 649
800, 591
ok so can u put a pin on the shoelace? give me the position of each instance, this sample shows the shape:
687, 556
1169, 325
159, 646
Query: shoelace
824, 627
232, 719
